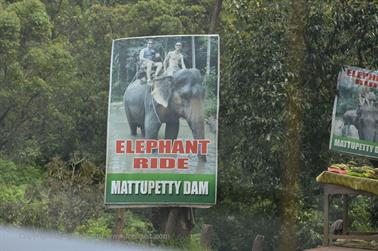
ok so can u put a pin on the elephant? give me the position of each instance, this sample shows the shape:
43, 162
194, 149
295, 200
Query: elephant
365, 119
349, 118
367, 123
170, 98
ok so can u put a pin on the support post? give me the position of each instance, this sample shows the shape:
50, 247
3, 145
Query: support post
119, 224
326, 220
345, 213
207, 236
258, 244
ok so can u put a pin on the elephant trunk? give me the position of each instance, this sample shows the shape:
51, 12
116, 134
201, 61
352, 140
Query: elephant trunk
196, 122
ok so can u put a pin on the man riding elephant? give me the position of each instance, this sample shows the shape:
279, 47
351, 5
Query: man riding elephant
175, 59
147, 58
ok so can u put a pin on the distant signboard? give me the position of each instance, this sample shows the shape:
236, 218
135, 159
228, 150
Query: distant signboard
162, 122
355, 113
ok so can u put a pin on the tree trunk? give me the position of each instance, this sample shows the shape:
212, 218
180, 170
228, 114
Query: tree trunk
207, 236
293, 126
258, 244
119, 224
193, 53
208, 56
214, 19
176, 222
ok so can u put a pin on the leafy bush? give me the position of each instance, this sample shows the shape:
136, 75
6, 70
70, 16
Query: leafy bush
310, 233
211, 83
21, 195
11, 194
360, 215
12, 174
137, 229
99, 228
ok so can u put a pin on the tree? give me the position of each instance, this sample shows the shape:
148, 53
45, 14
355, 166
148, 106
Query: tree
293, 125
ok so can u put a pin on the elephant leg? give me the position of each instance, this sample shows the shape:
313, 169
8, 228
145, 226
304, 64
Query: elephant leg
143, 132
172, 129
133, 129
151, 126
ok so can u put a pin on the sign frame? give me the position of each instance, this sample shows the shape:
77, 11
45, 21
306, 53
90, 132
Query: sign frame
145, 179
355, 104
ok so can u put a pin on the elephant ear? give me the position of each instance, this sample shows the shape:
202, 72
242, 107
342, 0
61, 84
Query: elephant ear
162, 90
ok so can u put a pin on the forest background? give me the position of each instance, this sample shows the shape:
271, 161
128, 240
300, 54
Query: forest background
279, 66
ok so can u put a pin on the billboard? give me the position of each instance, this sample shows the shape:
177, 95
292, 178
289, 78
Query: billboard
355, 114
163, 122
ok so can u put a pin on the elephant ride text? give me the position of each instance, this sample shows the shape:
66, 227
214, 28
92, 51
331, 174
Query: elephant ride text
164, 147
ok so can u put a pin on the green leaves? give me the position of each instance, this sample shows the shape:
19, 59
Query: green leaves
9, 35
35, 24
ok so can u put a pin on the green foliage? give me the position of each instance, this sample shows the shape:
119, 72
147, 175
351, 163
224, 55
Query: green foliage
210, 83
189, 244
14, 175
360, 215
12, 194
20, 190
35, 24
252, 110
310, 228
137, 229
9, 35
210, 107
98, 228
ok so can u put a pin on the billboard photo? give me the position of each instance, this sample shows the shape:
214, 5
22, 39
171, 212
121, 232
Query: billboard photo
355, 114
163, 122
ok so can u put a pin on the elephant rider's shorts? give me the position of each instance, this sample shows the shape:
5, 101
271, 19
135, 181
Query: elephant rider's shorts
172, 69
146, 62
